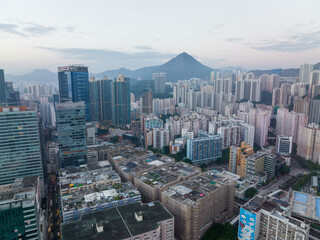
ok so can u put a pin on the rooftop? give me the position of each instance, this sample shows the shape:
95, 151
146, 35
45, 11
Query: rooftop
164, 175
117, 223
306, 205
190, 191
138, 160
22, 189
92, 184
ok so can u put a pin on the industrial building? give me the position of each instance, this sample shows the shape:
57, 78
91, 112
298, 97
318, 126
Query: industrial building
93, 187
128, 222
198, 203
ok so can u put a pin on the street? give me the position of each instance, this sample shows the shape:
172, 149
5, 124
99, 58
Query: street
295, 170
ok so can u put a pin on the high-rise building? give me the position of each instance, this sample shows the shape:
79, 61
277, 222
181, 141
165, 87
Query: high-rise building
74, 85
19, 144
308, 145
147, 101
13, 96
261, 127
305, 72
20, 213
3, 95
238, 159
285, 95
284, 145
72, 133
159, 80
314, 111
100, 99
120, 100
160, 138
204, 149
314, 80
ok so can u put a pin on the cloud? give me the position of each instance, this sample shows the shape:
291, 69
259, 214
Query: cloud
295, 43
104, 58
28, 29
143, 48
11, 29
36, 29
233, 39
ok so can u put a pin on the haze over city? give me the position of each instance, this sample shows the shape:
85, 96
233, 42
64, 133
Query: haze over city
112, 34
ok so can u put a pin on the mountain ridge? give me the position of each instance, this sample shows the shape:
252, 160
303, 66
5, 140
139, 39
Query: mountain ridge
181, 67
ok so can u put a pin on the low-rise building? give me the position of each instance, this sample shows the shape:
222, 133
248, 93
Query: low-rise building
129, 222
130, 162
151, 184
93, 187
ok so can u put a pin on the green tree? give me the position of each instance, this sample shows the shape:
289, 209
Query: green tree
219, 231
114, 139
251, 192
285, 169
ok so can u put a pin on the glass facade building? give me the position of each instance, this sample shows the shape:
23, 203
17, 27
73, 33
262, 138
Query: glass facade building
120, 100
74, 85
72, 134
100, 99
2, 88
19, 210
204, 149
20, 153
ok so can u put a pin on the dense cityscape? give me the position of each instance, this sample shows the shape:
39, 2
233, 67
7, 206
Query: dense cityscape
170, 120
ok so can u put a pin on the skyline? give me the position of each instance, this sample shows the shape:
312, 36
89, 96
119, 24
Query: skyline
260, 36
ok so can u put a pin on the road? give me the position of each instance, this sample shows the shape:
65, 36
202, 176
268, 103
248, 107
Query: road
296, 169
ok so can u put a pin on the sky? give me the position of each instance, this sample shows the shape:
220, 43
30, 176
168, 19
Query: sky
106, 35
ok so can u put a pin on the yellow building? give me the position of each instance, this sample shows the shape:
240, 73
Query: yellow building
238, 159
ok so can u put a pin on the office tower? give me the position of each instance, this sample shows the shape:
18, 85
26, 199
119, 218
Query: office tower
20, 213
261, 219
305, 72
129, 222
13, 97
120, 100
204, 149
159, 82
308, 145
284, 145
19, 144
314, 80
3, 94
199, 202
100, 99
238, 161
72, 133
74, 85
285, 95
147, 100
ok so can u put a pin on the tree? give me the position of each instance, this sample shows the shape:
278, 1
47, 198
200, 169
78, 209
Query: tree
251, 192
114, 139
285, 169
256, 147
219, 231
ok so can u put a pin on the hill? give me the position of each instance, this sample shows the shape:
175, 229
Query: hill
36, 76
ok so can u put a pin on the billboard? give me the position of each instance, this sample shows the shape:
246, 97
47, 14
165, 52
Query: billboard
247, 225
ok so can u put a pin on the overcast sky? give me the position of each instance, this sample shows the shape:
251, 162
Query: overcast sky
132, 33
